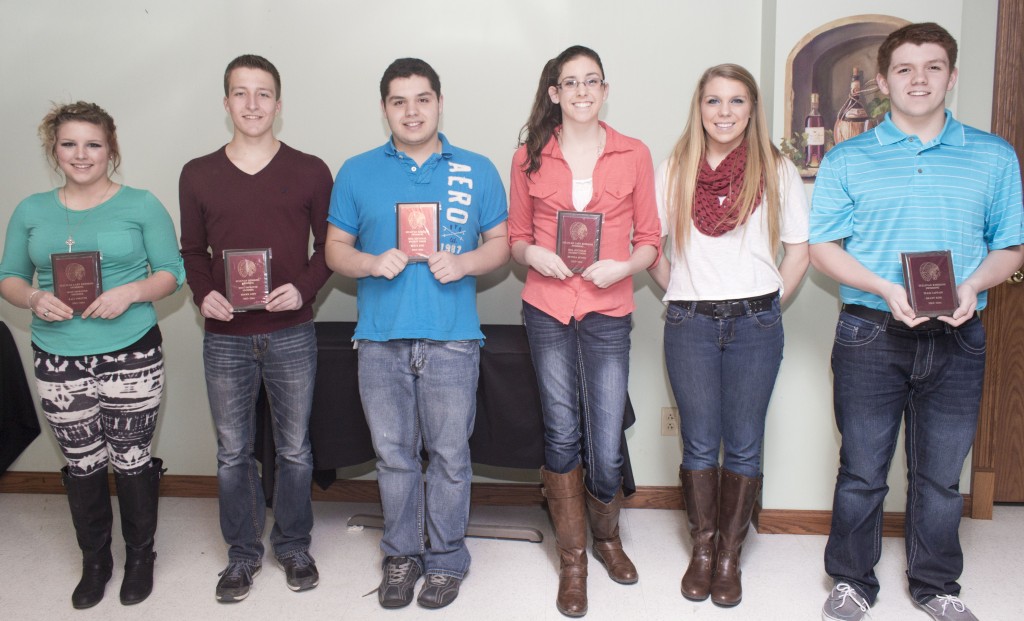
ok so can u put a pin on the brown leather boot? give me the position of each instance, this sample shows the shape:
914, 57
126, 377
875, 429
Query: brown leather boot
700, 493
604, 523
568, 514
736, 504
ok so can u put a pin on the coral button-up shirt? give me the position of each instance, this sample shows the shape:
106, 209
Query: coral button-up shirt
623, 191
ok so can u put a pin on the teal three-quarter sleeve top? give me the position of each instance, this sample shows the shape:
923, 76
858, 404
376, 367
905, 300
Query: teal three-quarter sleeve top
135, 237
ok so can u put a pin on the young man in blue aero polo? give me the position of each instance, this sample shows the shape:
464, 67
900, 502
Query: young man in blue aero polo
418, 332
921, 181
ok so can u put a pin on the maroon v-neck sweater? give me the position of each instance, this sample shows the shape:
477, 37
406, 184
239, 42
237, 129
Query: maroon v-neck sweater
223, 207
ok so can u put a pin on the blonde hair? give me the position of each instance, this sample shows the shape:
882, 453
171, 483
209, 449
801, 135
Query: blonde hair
763, 160
84, 112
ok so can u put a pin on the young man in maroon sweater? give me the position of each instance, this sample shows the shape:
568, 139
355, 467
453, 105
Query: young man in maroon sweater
258, 193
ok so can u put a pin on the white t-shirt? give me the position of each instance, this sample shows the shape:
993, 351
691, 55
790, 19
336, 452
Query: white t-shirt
739, 263
582, 192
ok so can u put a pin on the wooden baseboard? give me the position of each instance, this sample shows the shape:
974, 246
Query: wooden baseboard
182, 486
768, 521
793, 522
486, 494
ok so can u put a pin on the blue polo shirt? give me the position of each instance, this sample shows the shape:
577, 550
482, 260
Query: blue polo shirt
883, 193
414, 305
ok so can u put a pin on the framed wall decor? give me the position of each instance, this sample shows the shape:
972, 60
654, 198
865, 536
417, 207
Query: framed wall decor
831, 94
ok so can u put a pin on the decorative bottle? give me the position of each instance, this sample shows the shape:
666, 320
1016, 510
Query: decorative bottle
853, 117
814, 128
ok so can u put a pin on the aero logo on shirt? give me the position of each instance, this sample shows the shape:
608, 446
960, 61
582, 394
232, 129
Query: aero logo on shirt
454, 232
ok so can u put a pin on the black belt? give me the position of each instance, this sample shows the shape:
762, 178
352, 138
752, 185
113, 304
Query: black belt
724, 309
882, 317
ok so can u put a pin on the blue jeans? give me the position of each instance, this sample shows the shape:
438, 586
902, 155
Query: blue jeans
932, 380
421, 394
285, 360
722, 373
583, 375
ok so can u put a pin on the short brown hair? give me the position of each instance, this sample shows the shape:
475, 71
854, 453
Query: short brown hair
84, 112
407, 68
917, 34
253, 61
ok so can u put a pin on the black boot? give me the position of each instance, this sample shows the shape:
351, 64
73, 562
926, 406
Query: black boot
138, 496
89, 499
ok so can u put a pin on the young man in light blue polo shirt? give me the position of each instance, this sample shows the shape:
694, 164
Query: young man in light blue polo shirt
418, 333
921, 181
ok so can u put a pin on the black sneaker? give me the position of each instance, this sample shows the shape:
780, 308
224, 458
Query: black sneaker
300, 571
236, 580
438, 591
398, 582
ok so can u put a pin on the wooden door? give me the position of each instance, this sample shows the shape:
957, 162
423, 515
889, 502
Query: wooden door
998, 465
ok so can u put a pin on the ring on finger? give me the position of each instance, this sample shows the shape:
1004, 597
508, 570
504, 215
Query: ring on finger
46, 313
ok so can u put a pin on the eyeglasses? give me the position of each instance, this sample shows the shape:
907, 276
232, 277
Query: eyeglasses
571, 84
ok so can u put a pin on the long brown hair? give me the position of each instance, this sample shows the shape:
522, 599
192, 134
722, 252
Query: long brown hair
763, 161
546, 115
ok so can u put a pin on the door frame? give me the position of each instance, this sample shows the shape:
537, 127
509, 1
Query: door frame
1007, 112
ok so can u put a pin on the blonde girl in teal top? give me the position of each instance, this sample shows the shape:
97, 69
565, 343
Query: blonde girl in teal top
99, 374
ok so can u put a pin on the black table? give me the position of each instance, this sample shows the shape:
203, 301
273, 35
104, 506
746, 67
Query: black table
509, 428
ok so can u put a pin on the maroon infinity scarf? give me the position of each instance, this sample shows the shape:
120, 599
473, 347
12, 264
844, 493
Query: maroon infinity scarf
712, 216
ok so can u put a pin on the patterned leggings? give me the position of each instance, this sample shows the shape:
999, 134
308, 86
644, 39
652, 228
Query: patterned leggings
102, 408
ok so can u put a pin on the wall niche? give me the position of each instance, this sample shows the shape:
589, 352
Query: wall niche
838, 62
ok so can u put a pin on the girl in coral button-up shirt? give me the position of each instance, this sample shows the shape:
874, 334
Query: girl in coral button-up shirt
578, 323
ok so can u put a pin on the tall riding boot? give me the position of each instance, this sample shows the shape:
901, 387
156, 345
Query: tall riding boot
736, 497
604, 523
89, 499
700, 493
138, 496
564, 493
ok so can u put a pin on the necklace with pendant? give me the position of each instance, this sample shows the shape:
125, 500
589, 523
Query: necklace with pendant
600, 141
70, 241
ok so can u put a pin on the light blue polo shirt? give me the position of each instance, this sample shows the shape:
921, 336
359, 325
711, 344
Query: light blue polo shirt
414, 305
883, 193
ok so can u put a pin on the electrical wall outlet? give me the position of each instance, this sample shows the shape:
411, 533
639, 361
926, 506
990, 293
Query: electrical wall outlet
669, 421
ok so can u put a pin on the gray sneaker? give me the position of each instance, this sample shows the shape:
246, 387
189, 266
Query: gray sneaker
947, 608
844, 603
399, 581
438, 591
